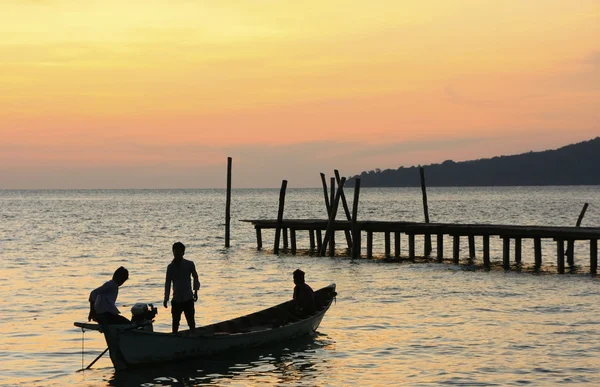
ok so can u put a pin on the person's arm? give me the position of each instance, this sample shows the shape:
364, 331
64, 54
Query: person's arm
196, 281
92, 314
167, 288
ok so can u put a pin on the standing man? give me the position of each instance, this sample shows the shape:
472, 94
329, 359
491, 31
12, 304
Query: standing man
179, 272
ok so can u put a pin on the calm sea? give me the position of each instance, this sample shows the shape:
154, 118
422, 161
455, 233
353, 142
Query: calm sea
393, 323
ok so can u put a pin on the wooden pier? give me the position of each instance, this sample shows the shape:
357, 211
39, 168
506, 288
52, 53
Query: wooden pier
509, 234
322, 233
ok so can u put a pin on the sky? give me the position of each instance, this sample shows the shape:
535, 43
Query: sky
157, 94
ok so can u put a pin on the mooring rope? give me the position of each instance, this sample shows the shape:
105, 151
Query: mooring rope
82, 345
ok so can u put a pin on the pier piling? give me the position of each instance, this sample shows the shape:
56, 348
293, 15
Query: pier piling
228, 203
356, 247
279, 216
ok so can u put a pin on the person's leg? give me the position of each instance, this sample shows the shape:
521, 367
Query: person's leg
107, 318
176, 309
119, 319
190, 311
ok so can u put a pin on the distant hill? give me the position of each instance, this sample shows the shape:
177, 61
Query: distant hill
576, 164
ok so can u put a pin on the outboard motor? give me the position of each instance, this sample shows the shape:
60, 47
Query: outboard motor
142, 315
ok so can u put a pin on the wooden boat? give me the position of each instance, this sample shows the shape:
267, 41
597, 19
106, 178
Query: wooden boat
134, 346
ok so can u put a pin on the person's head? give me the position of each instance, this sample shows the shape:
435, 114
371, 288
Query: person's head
121, 275
178, 250
298, 277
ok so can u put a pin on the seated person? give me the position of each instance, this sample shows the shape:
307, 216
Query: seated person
303, 295
102, 300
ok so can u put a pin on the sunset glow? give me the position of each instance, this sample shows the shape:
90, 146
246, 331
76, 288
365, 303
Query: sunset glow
157, 94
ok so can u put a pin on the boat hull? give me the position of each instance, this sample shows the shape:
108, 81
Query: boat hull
131, 348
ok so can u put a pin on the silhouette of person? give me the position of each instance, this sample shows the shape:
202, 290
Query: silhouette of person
304, 296
179, 272
103, 300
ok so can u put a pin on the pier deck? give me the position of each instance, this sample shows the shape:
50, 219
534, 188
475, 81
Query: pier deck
563, 236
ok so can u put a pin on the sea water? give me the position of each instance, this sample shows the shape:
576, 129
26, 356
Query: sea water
393, 323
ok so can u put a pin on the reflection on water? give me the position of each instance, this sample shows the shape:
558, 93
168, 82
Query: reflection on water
394, 323
295, 362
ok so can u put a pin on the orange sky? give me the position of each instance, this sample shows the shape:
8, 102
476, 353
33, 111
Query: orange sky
143, 94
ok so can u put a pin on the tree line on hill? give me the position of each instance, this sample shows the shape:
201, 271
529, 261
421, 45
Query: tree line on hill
575, 164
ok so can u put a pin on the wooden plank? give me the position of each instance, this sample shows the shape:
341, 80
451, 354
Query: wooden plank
565, 233
486, 250
440, 247
228, 204
537, 247
560, 255
594, 256
397, 244
258, 238
279, 216
506, 252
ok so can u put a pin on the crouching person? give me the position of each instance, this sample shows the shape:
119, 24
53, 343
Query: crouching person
103, 308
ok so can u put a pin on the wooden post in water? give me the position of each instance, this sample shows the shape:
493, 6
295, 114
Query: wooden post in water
537, 247
285, 238
356, 244
387, 244
311, 233
346, 209
593, 256
518, 251
471, 247
426, 211
571, 243
330, 231
506, 252
411, 246
279, 216
369, 244
570, 252
456, 249
258, 238
293, 240
486, 251
327, 205
397, 244
319, 241
228, 204
581, 214
440, 247
560, 252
